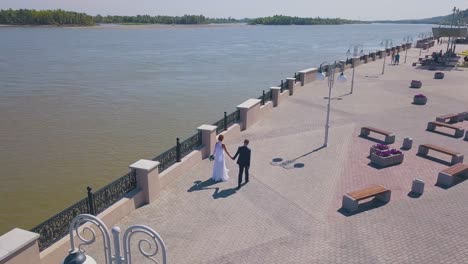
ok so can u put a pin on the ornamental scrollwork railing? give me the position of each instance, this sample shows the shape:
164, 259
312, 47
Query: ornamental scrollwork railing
167, 159
110, 194
219, 126
56, 227
232, 118
265, 97
83, 232
190, 144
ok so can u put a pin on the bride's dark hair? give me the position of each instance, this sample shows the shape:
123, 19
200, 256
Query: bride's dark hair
220, 137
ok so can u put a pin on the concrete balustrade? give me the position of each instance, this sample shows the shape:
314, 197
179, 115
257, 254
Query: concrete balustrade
291, 85
366, 58
308, 75
19, 247
208, 137
275, 95
356, 61
147, 176
250, 111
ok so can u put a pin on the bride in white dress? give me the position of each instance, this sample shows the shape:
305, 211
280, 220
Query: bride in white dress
220, 172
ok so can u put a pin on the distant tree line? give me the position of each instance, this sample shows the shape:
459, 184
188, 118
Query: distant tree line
44, 17
147, 19
288, 20
61, 17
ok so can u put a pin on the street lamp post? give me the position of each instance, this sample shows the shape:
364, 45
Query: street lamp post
385, 43
149, 247
355, 54
407, 40
330, 69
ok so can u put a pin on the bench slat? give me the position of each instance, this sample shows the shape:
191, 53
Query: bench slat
440, 149
447, 116
459, 168
367, 192
445, 125
379, 131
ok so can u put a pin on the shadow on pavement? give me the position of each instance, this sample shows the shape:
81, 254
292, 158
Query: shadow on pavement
377, 167
199, 185
442, 133
224, 193
290, 164
434, 159
363, 207
456, 181
414, 195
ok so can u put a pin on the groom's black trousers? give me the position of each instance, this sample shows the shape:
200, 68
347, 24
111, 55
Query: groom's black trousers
241, 171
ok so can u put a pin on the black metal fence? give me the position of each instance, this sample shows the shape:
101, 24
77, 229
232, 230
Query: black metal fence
227, 121
265, 97
56, 227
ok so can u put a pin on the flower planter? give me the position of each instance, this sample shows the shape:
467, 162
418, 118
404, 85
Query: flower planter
387, 161
416, 84
439, 75
376, 148
419, 100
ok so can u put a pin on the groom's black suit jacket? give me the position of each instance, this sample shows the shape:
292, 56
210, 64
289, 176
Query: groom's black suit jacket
244, 156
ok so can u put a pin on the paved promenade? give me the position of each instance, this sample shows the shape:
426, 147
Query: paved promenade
289, 211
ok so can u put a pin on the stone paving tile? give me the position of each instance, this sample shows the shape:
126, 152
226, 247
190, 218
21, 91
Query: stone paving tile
288, 213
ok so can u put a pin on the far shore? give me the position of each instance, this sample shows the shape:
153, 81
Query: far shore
131, 26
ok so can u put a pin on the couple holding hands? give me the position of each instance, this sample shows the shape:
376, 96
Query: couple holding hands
220, 172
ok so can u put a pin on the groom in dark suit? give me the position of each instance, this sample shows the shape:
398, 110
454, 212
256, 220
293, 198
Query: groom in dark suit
243, 162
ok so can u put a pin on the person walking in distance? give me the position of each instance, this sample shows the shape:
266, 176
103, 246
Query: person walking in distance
243, 162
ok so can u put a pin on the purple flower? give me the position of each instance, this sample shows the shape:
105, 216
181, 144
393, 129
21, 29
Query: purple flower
395, 152
384, 153
420, 96
380, 147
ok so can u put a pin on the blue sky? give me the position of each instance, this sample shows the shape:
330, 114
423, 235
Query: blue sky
356, 9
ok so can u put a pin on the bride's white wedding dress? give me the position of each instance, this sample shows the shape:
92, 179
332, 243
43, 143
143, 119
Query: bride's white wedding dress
220, 172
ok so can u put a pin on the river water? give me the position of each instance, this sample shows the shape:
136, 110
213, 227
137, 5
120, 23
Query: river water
78, 105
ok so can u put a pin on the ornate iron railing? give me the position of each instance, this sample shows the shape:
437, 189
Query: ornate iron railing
227, 121
232, 118
110, 194
167, 159
219, 126
190, 144
56, 227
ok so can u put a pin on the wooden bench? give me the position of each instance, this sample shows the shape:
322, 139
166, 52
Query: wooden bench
446, 177
389, 136
351, 200
453, 118
431, 126
457, 157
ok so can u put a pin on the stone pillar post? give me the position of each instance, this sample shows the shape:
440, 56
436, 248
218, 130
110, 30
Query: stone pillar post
366, 58
208, 135
147, 176
356, 61
308, 75
275, 95
19, 246
249, 112
291, 82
